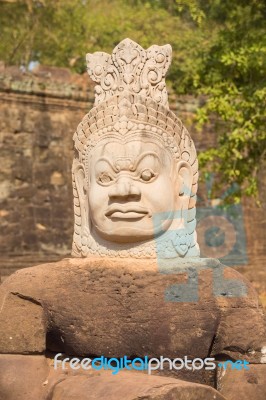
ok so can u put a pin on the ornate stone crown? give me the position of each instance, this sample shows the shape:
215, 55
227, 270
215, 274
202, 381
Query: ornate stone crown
131, 96
130, 68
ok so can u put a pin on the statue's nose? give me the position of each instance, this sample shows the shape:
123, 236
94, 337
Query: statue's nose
124, 189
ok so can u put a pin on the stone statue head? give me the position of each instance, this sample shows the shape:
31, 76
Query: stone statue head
135, 169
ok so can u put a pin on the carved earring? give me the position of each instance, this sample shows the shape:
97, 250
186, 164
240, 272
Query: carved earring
181, 241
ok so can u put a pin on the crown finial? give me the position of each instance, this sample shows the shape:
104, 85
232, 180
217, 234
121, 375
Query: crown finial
131, 68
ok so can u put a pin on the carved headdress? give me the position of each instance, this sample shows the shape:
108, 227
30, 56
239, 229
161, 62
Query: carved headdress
130, 98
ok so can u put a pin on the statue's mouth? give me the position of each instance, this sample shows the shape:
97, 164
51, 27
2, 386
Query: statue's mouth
126, 212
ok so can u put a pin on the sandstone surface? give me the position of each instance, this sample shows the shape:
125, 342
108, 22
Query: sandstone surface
33, 378
132, 386
120, 307
247, 384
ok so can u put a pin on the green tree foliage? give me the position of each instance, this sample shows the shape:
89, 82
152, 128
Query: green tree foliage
233, 77
219, 54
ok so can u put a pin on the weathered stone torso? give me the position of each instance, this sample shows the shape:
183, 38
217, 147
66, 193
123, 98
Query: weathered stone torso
120, 307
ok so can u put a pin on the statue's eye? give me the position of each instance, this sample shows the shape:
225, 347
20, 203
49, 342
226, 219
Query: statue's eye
147, 175
104, 178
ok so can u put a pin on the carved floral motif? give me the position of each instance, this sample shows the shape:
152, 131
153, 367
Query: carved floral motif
130, 68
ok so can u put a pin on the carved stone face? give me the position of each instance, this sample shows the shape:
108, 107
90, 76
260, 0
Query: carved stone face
135, 170
129, 184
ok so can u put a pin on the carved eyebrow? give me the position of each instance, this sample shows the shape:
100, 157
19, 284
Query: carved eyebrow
105, 159
135, 163
143, 155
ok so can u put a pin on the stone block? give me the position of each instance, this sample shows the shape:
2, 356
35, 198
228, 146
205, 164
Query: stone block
23, 377
117, 307
243, 384
131, 386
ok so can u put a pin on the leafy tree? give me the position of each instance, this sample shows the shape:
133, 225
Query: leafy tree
233, 76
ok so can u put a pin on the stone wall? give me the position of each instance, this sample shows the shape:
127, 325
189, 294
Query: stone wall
38, 117
39, 114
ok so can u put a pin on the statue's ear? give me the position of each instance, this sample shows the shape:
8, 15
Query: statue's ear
81, 207
184, 173
80, 180
184, 185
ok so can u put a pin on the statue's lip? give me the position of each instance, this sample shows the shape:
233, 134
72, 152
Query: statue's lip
126, 212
